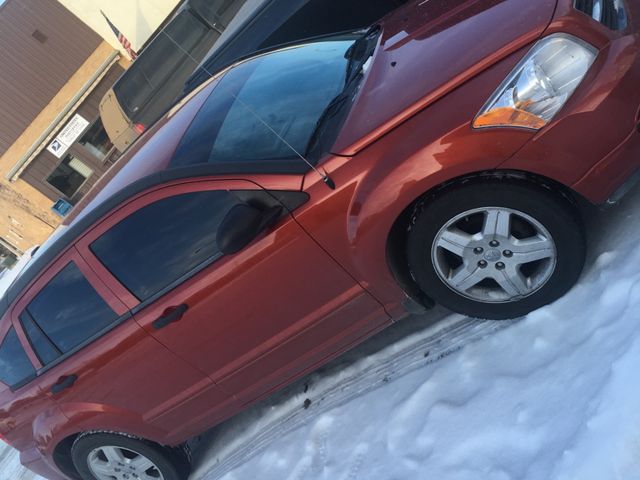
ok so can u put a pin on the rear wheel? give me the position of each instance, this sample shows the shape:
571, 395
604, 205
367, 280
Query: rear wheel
496, 249
111, 456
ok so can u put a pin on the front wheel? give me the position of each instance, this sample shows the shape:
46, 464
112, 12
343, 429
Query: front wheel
112, 456
496, 249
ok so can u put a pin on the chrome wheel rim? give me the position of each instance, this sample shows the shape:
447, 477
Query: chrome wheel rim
494, 255
117, 463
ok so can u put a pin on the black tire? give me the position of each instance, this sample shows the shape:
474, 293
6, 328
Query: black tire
173, 463
550, 208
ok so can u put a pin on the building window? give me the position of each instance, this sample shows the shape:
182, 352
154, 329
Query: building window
8, 258
69, 175
96, 140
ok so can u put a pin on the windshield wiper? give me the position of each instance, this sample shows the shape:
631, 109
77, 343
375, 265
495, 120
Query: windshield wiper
332, 109
359, 54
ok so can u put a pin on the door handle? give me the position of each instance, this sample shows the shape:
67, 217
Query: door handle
63, 383
170, 315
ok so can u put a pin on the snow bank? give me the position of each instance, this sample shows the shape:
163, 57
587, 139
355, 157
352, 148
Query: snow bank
553, 396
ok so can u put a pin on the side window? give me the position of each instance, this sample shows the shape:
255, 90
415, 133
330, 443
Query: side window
46, 351
64, 314
161, 243
15, 366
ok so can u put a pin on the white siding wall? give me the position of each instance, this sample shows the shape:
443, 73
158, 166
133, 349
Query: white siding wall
136, 19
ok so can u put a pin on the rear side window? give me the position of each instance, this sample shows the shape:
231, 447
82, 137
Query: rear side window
15, 366
162, 242
67, 311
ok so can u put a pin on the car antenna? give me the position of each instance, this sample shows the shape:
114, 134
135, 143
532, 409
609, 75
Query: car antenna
325, 178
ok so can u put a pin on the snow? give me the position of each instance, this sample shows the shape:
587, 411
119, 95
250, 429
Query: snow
550, 396
10, 468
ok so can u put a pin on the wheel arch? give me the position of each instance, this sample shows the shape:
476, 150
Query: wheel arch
62, 456
56, 436
396, 253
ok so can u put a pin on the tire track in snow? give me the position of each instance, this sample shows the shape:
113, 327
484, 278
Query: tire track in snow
336, 385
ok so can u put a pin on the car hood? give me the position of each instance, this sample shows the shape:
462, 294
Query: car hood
429, 47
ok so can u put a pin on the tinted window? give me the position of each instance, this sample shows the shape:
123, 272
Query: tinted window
217, 13
284, 92
15, 366
153, 81
162, 242
69, 311
319, 17
284, 22
41, 344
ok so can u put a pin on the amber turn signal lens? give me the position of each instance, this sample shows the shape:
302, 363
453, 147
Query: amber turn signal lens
509, 117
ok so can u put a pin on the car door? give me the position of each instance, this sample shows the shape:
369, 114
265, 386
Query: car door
251, 320
97, 363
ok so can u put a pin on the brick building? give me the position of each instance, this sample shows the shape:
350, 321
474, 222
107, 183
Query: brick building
55, 70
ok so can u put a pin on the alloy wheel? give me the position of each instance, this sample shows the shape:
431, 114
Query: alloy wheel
117, 463
494, 255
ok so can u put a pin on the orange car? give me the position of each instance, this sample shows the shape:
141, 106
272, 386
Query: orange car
306, 198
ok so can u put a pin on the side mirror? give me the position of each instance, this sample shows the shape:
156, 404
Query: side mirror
242, 224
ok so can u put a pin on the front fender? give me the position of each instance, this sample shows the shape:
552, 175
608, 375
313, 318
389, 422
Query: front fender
376, 186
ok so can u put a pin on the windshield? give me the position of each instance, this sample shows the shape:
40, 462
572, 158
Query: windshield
268, 108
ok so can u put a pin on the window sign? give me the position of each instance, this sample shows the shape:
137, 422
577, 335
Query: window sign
57, 148
68, 135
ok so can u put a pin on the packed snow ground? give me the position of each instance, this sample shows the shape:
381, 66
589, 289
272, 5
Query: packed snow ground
552, 396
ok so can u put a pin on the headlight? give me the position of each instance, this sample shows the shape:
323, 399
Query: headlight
540, 85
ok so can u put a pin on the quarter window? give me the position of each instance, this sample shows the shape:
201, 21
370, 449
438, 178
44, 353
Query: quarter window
161, 243
15, 366
46, 351
67, 311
